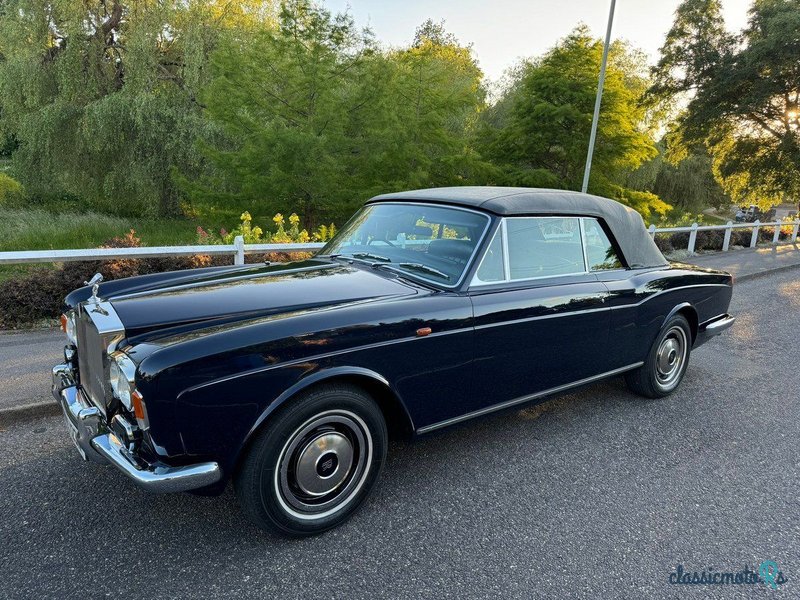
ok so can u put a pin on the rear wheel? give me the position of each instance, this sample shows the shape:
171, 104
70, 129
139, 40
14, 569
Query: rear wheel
666, 363
314, 463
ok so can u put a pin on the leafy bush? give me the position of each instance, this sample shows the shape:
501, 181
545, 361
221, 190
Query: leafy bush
39, 295
256, 235
11, 191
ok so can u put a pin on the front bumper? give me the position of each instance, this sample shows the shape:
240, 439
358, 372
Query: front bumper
88, 429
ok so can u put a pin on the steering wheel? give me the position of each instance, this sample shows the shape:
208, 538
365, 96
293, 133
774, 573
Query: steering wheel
383, 241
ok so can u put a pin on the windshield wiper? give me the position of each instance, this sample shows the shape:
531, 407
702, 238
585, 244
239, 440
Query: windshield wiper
357, 256
426, 268
372, 256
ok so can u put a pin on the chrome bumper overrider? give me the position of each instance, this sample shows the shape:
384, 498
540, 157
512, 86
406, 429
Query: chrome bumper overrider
89, 432
718, 325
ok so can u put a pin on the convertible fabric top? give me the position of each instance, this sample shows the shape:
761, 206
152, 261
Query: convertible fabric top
625, 223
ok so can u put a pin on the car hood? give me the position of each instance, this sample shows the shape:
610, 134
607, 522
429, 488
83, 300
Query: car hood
227, 296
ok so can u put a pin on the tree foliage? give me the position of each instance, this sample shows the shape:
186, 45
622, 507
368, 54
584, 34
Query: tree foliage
100, 95
742, 94
315, 117
686, 183
135, 107
538, 131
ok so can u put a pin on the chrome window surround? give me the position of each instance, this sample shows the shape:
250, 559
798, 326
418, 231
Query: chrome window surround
503, 231
470, 261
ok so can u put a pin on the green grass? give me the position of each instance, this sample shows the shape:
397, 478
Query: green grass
25, 229
37, 229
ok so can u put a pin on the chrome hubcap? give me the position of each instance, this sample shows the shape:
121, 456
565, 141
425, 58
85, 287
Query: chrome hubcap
323, 464
670, 357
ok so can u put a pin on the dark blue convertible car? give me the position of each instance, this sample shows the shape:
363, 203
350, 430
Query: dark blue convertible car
429, 308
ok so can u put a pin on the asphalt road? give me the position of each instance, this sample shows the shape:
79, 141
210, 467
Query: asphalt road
598, 494
26, 358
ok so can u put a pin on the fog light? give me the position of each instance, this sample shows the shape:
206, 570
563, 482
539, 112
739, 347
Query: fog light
69, 353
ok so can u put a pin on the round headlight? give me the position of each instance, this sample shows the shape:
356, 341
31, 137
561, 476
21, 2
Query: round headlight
122, 374
113, 377
72, 336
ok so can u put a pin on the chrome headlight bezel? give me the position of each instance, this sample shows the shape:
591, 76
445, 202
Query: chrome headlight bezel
122, 378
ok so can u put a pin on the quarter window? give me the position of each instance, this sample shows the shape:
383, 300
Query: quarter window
492, 267
600, 253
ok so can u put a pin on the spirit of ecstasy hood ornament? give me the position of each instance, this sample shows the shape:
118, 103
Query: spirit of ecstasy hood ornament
95, 283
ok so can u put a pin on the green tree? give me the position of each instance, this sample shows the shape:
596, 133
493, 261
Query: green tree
742, 95
433, 98
286, 101
314, 117
101, 95
687, 184
538, 131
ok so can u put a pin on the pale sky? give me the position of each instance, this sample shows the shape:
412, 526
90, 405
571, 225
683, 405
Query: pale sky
503, 31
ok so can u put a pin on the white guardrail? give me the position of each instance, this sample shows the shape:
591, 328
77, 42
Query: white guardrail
239, 249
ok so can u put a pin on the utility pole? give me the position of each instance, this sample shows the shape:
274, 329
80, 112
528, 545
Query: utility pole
597, 99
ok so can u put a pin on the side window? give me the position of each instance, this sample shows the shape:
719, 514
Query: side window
600, 253
544, 246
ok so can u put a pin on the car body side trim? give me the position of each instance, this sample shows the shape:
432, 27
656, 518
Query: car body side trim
524, 399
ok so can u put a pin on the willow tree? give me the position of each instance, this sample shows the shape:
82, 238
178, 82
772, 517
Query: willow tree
101, 96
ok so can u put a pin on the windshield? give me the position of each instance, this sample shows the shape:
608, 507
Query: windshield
431, 242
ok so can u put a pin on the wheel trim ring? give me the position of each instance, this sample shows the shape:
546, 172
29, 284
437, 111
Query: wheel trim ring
358, 479
671, 357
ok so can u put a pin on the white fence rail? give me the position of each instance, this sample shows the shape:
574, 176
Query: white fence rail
239, 249
728, 228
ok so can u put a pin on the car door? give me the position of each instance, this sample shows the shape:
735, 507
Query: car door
540, 317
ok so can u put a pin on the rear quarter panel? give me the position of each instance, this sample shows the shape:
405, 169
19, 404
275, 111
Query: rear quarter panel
641, 300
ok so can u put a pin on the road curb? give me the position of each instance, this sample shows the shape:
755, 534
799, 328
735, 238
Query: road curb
27, 412
766, 272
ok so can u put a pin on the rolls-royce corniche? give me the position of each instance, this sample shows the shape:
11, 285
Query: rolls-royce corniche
429, 308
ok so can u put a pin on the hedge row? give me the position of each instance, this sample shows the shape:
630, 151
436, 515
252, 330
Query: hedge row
39, 295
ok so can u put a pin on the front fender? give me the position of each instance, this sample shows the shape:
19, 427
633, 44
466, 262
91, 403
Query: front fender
219, 419
329, 374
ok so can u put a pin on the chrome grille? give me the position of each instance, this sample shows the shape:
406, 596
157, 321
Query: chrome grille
91, 360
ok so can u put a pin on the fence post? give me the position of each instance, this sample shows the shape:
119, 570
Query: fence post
794, 231
727, 241
754, 237
238, 246
692, 238
777, 234
652, 230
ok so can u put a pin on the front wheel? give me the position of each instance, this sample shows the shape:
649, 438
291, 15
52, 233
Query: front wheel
666, 363
314, 463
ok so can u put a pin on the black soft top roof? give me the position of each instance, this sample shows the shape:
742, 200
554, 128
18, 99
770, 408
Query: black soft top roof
625, 223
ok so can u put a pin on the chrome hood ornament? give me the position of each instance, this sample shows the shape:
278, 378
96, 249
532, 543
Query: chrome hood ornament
95, 283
